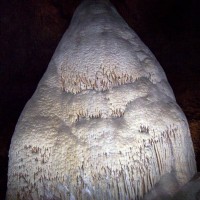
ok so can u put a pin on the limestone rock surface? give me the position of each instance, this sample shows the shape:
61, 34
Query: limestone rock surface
103, 122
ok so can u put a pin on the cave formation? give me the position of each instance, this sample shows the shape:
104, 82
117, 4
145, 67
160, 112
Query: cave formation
103, 122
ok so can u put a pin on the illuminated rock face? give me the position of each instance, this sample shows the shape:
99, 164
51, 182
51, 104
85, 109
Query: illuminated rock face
103, 122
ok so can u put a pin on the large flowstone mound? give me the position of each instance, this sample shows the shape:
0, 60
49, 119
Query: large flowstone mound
103, 122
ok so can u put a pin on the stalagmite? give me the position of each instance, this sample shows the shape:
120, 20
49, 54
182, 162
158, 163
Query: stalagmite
103, 122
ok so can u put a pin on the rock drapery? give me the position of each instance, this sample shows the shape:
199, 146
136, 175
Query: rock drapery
103, 122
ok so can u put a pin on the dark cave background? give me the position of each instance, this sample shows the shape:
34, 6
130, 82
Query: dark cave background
31, 29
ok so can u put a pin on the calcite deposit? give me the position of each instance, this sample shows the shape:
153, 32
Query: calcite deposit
103, 122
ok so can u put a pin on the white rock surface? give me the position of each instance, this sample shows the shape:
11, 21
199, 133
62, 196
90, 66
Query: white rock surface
103, 122
190, 191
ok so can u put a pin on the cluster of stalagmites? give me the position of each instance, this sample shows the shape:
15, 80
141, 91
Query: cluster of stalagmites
103, 122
